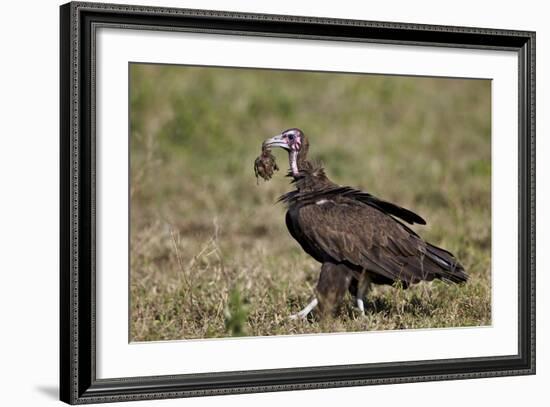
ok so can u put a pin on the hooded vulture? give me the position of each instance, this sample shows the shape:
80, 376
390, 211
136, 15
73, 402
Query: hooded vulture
358, 239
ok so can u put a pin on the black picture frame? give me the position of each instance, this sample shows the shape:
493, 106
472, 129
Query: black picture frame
78, 382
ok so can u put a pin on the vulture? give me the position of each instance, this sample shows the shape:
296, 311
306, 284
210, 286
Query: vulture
358, 238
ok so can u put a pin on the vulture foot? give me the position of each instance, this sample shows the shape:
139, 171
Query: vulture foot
363, 286
307, 309
360, 306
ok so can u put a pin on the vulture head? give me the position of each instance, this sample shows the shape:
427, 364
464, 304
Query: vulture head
295, 142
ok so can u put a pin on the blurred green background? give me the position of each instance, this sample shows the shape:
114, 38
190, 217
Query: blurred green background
210, 253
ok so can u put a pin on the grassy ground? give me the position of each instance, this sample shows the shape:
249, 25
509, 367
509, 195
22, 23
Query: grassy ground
210, 253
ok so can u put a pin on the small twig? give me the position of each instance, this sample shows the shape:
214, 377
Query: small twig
178, 256
188, 284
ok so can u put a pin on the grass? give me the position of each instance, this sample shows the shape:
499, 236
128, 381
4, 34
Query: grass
210, 253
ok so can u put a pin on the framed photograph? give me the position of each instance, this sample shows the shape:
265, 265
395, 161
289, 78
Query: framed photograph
255, 203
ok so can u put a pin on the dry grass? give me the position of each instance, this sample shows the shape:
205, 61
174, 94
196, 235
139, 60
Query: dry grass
210, 253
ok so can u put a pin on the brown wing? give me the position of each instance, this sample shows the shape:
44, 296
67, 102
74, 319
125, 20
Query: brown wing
363, 197
356, 233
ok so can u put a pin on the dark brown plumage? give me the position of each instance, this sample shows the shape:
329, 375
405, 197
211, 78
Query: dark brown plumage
357, 237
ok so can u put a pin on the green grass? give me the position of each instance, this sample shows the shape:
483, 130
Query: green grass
210, 253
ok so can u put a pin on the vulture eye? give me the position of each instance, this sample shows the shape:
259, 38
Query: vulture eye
291, 137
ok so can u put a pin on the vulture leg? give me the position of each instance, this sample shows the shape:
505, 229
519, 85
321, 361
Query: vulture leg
363, 286
333, 284
307, 309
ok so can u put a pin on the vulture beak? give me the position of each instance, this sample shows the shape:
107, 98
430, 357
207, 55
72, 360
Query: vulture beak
277, 141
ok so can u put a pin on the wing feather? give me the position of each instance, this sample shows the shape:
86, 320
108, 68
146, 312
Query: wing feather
358, 196
359, 234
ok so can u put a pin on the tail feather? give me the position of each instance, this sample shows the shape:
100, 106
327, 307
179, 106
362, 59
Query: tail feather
451, 269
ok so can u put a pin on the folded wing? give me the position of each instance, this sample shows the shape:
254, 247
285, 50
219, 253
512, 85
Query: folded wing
364, 236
